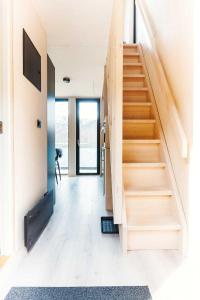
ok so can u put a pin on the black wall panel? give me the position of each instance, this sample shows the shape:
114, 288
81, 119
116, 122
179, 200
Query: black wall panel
31, 62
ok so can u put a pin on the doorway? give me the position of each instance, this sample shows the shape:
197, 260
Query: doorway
88, 136
61, 133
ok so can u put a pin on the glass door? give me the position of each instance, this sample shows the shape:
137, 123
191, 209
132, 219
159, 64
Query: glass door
61, 132
88, 137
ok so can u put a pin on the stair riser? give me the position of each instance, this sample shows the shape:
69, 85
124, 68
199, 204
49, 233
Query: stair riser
144, 177
138, 131
141, 153
147, 204
134, 82
130, 50
158, 239
128, 70
137, 112
135, 96
132, 59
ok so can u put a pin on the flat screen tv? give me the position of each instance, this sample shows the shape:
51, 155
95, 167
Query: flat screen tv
31, 62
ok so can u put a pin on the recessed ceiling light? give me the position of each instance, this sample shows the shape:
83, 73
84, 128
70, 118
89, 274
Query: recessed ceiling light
66, 79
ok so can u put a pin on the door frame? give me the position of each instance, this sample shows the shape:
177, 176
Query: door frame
79, 100
64, 100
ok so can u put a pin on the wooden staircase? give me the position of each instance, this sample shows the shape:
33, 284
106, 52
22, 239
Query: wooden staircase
151, 211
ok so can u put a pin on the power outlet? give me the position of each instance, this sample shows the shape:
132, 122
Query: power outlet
39, 124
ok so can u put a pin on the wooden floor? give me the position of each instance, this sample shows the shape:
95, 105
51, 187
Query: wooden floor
73, 252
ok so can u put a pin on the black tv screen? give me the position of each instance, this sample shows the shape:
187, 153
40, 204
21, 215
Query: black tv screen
31, 62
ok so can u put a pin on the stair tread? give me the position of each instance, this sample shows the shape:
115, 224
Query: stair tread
150, 141
133, 64
134, 76
131, 54
130, 45
144, 165
152, 221
148, 191
137, 103
135, 89
145, 121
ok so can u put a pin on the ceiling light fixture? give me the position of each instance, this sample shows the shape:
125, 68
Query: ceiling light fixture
66, 79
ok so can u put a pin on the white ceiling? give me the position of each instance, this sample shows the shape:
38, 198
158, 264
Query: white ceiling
77, 33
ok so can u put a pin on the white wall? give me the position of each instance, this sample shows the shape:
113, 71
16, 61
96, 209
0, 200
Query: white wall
30, 143
171, 23
128, 21
6, 139
77, 34
84, 65
1, 119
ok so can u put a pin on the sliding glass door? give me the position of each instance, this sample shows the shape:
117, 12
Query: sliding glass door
88, 136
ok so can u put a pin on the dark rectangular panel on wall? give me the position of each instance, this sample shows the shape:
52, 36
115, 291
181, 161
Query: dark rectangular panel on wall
31, 62
36, 220
51, 125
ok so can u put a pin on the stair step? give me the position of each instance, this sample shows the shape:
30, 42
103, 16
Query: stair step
135, 89
145, 165
133, 76
132, 54
133, 69
137, 104
132, 64
159, 191
130, 50
134, 82
145, 176
135, 94
153, 121
154, 141
139, 129
153, 222
163, 237
141, 151
131, 57
134, 45
137, 111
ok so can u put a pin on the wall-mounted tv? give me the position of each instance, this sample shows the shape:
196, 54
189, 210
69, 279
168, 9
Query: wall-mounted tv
31, 62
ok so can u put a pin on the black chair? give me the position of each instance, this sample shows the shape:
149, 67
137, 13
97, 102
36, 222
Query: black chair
59, 154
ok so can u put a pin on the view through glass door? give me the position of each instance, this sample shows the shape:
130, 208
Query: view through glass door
61, 132
88, 136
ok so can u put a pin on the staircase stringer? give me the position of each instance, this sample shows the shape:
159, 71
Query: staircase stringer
169, 165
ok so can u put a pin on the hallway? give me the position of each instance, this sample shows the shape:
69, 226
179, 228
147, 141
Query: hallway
73, 252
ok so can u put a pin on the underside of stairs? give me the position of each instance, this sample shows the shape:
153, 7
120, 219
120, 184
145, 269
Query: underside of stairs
151, 211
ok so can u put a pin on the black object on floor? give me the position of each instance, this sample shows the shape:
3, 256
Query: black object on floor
36, 220
108, 226
80, 293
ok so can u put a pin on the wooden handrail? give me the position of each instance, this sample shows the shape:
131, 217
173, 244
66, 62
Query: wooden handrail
166, 103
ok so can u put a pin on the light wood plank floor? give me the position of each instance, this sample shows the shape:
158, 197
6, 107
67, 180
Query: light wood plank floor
73, 252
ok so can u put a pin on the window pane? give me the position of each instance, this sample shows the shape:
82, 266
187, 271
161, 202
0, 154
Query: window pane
88, 113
